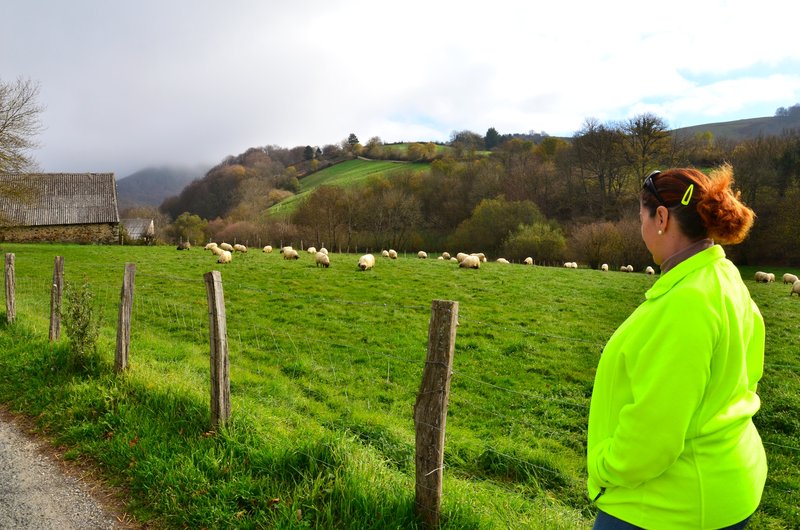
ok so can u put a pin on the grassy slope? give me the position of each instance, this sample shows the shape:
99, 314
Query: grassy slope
325, 365
345, 174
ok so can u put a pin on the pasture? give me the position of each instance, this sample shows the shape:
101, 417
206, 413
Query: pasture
325, 365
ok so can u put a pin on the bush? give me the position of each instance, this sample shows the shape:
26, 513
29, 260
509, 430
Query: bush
541, 241
81, 327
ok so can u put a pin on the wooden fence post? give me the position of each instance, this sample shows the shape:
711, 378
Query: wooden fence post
218, 337
55, 298
124, 320
430, 411
11, 304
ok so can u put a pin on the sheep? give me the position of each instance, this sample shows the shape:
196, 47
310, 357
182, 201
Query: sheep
629, 268
366, 262
385, 253
240, 248
226, 246
770, 277
209, 246
267, 249
440, 258
626, 268
761, 277
312, 250
422, 254
290, 254
322, 260
571, 265
324, 250
454, 259
392, 254
225, 257
470, 262
604, 267
217, 251
649, 270
284, 249
528, 261
504, 261
183, 245
795, 288
481, 256
460, 256
789, 278
445, 255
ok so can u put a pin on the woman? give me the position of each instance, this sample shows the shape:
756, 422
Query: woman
671, 442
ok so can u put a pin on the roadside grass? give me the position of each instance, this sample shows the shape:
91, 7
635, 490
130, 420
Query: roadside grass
325, 366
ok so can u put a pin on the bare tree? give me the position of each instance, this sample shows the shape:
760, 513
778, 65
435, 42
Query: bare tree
19, 124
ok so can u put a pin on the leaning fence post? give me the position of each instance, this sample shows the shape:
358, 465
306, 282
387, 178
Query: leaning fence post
430, 411
55, 298
124, 320
11, 304
218, 337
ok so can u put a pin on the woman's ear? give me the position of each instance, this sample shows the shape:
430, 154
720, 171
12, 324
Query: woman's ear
662, 217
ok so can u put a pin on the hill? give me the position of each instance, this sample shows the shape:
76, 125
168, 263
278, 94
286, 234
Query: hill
345, 174
150, 186
740, 130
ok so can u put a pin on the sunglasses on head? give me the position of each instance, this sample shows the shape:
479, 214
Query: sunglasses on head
650, 186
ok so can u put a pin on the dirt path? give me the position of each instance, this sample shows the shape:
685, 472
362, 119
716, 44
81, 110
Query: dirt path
38, 490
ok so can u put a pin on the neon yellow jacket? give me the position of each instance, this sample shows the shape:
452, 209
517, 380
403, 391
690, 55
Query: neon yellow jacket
671, 442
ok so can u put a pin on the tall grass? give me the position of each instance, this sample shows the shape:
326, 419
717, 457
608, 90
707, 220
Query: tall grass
325, 366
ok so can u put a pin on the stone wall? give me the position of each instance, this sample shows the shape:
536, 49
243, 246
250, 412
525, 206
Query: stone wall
101, 233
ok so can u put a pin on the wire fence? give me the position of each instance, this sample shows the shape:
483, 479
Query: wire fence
503, 423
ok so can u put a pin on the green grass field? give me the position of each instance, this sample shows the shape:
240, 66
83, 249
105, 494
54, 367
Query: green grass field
345, 174
325, 365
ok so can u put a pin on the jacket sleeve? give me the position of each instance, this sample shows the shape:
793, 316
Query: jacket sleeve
668, 365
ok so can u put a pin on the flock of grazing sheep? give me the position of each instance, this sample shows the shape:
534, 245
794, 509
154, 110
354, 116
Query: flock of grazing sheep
788, 278
225, 251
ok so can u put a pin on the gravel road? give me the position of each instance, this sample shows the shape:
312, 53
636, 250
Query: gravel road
39, 491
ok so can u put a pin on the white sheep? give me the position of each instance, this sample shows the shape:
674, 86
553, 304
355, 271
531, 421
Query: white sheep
440, 258
226, 246
528, 261
445, 255
312, 250
795, 288
290, 253
210, 246
789, 278
504, 261
604, 267
392, 253
322, 260
366, 262
649, 270
470, 262
218, 251
385, 253
454, 259
460, 256
481, 256
324, 250
240, 248
761, 277
422, 254
225, 257
284, 249
770, 277
629, 268
267, 249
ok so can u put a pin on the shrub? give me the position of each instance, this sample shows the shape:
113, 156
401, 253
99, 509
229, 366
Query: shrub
542, 241
81, 327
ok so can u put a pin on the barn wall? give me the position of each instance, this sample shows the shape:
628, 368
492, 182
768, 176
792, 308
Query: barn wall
103, 233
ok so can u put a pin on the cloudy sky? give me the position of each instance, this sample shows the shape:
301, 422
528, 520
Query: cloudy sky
127, 85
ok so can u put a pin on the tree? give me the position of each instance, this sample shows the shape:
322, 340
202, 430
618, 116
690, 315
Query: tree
352, 139
308, 153
492, 138
189, 227
19, 124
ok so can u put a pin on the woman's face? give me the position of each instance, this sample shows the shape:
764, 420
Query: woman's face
650, 233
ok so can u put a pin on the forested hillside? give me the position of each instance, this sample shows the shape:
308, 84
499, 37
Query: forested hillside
573, 199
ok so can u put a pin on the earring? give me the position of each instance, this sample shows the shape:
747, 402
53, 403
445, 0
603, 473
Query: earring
660, 232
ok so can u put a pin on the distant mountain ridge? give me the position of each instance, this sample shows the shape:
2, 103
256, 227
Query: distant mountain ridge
150, 186
747, 129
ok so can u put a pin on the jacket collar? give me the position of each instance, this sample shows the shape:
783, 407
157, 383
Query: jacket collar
683, 269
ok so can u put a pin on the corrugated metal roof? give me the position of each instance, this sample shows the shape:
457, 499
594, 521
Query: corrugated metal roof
41, 199
138, 228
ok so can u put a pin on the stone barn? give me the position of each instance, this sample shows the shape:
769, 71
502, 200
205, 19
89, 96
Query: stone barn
59, 207
139, 229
